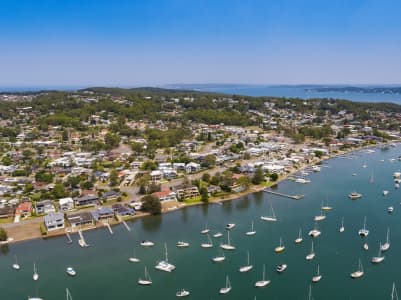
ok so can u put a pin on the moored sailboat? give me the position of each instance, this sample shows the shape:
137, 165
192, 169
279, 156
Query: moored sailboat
317, 277
263, 282
248, 266
311, 255
359, 272
227, 288
252, 231
164, 265
272, 216
379, 258
280, 248
147, 280
228, 245
208, 244
299, 239
386, 245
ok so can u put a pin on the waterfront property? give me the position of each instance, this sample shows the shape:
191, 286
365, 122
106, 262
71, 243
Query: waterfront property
54, 221
80, 219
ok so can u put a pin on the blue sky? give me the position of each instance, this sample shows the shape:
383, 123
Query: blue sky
129, 43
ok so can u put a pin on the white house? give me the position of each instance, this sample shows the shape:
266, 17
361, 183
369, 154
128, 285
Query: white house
66, 203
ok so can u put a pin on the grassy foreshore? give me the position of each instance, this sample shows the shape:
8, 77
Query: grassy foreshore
30, 230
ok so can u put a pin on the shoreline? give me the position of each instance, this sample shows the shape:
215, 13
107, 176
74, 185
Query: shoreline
217, 200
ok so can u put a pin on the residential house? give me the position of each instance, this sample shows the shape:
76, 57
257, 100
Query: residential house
103, 213
192, 167
44, 207
54, 221
166, 195
81, 218
213, 189
86, 200
66, 203
156, 175
187, 192
7, 212
110, 196
122, 210
24, 209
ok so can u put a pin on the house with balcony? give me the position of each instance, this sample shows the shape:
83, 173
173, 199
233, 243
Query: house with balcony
54, 221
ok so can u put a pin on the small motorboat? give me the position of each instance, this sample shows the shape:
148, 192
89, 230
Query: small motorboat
354, 195
217, 235
146, 243
70, 271
281, 268
230, 225
182, 293
182, 244
385, 193
390, 209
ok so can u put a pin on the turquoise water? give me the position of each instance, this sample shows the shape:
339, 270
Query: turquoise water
300, 92
105, 273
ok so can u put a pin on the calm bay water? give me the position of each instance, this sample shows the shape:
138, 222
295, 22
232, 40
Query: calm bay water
105, 273
301, 92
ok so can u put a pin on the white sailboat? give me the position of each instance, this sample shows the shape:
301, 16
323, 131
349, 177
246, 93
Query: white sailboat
147, 280
208, 244
227, 288
133, 258
263, 282
317, 277
394, 295
252, 231
326, 207
342, 228
35, 273
280, 248
320, 217
228, 245
272, 216
363, 232
220, 258
205, 230
311, 255
299, 239
358, 273
386, 245
248, 266
315, 232
164, 265
16, 266
217, 235
366, 246
379, 258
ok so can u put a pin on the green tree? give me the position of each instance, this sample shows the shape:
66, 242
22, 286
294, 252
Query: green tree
59, 191
113, 177
111, 140
6, 160
206, 177
64, 135
44, 176
244, 181
151, 204
258, 177
73, 181
3, 234
209, 161
204, 195
273, 177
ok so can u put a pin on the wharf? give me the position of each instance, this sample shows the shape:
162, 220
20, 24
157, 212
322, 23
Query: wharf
295, 197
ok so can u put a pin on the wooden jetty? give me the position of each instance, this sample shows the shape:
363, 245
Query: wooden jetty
295, 197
